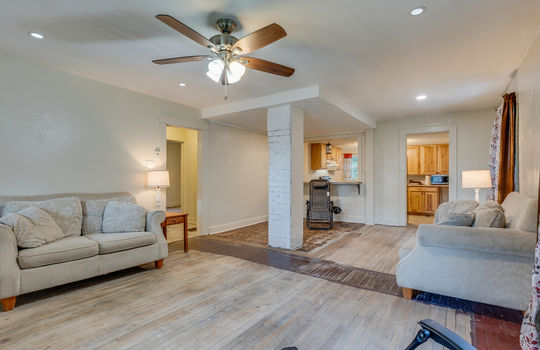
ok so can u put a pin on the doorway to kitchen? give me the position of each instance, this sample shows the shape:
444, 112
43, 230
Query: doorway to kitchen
428, 169
182, 163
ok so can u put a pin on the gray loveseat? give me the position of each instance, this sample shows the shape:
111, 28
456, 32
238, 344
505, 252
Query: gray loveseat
488, 265
77, 256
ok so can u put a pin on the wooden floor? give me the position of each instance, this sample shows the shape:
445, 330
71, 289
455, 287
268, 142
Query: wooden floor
419, 219
208, 301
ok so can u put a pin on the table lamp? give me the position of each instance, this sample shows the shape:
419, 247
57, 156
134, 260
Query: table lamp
158, 179
476, 179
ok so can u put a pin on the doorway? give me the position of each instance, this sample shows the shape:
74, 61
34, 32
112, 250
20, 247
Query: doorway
182, 147
428, 168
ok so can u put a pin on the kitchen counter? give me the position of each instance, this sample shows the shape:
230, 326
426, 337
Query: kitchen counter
356, 183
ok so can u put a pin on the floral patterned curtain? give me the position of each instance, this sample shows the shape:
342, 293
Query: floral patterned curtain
494, 154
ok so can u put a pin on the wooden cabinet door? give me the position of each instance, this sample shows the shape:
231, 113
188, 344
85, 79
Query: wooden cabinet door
415, 201
428, 159
442, 159
431, 201
413, 160
318, 156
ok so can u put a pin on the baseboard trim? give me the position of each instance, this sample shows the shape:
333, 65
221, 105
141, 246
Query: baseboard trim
386, 221
236, 224
347, 218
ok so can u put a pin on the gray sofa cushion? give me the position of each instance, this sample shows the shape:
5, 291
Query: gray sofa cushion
456, 213
115, 242
66, 212
123, 217
66, 249
489, 214
93, 210
32, 227
520, 212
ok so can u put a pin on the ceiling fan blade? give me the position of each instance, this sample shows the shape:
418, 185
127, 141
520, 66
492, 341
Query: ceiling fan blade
181, 59
268, 67
185, 30
260, 38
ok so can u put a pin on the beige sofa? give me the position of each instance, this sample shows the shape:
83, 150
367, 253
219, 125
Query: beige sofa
488, 265
75, 257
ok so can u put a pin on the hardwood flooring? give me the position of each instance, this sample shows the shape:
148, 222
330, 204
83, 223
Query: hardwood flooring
200, 300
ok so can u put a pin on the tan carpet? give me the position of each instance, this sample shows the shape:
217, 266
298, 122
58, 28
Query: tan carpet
314, 240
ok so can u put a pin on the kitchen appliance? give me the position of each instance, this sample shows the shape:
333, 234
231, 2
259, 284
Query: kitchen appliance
439, 179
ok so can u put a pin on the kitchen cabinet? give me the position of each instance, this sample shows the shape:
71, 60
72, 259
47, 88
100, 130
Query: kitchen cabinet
413, 160
442, 159
423, 199
427, 159
319, 158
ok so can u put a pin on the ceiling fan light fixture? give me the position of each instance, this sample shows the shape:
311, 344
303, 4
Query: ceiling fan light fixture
214, 77
216, 67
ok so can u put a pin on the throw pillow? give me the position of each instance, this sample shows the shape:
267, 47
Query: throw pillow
93, 213
457, 219
66, 212
489, 214
465, 207
32, 227
123, 217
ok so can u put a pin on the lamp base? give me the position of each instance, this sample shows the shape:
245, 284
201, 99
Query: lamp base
477, 195
158, 198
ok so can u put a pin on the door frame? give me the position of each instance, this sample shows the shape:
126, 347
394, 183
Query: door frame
452, 163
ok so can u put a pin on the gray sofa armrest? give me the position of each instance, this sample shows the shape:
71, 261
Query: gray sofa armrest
10, 273
482, 239
154, 218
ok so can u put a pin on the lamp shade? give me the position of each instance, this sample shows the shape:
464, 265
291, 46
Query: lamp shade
158, 178
475, 179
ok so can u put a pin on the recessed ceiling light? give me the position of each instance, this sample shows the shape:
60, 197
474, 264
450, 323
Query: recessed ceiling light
421, 97
182, 84
418, 11
36, 35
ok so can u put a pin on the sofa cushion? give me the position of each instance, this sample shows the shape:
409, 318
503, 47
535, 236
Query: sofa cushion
465, 209
66, 212
63, 250
115, 242
123, 217
489, 214
32, 227
93, 213
520, 212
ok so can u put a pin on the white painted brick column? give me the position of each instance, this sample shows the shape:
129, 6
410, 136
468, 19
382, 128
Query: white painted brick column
285, 176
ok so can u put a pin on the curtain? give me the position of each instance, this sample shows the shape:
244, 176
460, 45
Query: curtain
494, 148
507, 152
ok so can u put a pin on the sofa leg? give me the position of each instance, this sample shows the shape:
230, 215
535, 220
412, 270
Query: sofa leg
8, 303
408, 293
159, 264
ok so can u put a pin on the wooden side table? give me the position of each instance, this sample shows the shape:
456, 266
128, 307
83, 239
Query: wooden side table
172, 218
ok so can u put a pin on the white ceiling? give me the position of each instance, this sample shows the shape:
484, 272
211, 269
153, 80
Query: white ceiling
370, 53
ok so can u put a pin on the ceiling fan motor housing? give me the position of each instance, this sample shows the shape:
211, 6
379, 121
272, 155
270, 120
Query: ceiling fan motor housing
223, 41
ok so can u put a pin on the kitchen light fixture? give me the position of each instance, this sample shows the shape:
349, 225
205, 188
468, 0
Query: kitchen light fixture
36, 35
418, 11
182, 84
421, 97
328, 148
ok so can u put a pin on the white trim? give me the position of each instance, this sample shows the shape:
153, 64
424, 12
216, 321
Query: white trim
236, 224
219, 122
452, 171
369, 165
334, 136
347, 218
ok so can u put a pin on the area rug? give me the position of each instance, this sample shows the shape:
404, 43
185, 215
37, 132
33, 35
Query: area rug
314, 240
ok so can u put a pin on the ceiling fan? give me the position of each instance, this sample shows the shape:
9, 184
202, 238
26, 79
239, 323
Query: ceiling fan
227, 61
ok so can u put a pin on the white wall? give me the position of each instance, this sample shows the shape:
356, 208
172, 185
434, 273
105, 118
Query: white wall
473, 137
527, 85
63, 133
238, 178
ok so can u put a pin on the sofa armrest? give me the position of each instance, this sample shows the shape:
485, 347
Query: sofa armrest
10, 272
154, 218
481, 239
